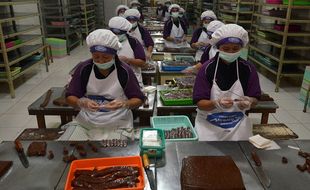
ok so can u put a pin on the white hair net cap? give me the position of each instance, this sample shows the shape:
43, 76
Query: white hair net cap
132, 12
134, 2
208, 13
173, 6
120, 7
120, 23
214, 25
181, 10
231, 33
103, 37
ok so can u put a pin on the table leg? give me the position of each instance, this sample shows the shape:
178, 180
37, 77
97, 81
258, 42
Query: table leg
65, 119
41, 121
264, 119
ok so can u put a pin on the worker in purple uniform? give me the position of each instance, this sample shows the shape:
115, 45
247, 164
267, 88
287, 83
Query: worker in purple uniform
200, 39
209, 52
166, 13
120, 10
225, 87
175, 29
139, 32
160, 10
105, 89
182, 15
137, 5
132, 51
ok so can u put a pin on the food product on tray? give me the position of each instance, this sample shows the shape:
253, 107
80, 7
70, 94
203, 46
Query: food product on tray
185, 82
284, 160
69, 158
37, 149
177, 63
5, 166
107, 178
149, 67
178, 94
92, 146
50, 155
65, 151
306, 165
210, 172
178, 133
114, 143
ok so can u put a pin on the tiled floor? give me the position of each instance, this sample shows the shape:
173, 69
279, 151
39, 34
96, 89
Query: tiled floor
14, 115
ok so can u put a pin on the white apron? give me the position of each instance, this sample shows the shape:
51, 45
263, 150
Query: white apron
202, 38
160, 12
224, 124
106, 124
212, 52
127, 51
167, 16
176, 32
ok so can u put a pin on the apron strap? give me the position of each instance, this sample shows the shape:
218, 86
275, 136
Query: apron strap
217, 63
237, 62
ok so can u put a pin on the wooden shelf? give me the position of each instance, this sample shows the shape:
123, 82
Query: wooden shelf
17, 16
26, 39
17, 2
297, 21
281, 6
241, 2
9, 31
292, 34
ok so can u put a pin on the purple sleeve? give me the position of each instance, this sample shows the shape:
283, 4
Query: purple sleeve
195, 36
254, 89
132, 88
184, 27
205, 56
139, 51
148, 41
167, 29
202, 88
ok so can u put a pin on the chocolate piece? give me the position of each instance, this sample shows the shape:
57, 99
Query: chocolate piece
210, 172
50, 155
284, 160
4, 167
256, 158
37, 149
179, 132
65, 151
302, 168
92, 146
69, 159
73, 143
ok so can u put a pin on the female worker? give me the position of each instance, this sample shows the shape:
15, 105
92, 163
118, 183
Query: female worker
175, 29
225, 87
132, 51
137, 5
200, 39
166, 14
139, 32
120, 10
160, 10
105, 89
209, 52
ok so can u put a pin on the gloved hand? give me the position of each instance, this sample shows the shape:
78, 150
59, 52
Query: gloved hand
224, 102
190, 70
177, 40
244, 103
115, 104
88, 104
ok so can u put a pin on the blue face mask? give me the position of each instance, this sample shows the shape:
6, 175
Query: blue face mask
229, 57
106, 65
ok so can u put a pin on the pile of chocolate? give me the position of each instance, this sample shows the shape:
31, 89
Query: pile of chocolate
178, 94
149, 67
107, 178
185, 82
80, 149
114, 143
178, 133
306, 165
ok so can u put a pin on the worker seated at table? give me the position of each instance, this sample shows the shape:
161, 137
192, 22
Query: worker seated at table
120, 10
182, 16
209, 51
166, 13
105, 89
200, 39
131, 51
225, 87
175, 29
139, 32
137, 5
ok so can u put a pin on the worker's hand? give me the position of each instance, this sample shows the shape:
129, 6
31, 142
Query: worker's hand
177, 40
244, 102
88, 104
184, 39
148, 55
114, 105
124, 59
190, 70
224, 102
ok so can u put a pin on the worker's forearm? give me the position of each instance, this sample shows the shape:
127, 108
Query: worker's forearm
72, 101
206, 105
137, 62
133, 103
150, 49
170, 39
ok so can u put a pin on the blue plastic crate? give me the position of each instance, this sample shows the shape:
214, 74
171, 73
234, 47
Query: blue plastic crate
171, 122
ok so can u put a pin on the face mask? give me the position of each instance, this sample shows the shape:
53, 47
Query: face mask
134, 25
205, 25
106, 65
122, 15
175, 14
122, 37
135, 7
229, 57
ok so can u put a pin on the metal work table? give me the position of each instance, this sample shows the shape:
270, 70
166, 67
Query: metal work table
263, 107
163, 76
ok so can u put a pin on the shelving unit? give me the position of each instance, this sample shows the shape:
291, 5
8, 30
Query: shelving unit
88, 16
62, 19
20, 50
99, 12
236, 11
203, 5
280, 46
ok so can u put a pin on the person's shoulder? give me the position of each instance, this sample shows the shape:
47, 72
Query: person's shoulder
247, 64
122, 67
82, 66
168, 22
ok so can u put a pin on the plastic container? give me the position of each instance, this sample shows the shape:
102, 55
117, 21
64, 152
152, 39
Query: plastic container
175, 102
172, 122
59, 23
9, 44
100, 163
297, 2
274, 1
291, 28
168, 66
153, 151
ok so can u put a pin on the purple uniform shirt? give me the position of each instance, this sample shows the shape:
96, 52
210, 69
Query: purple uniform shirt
196, 35
146, 36
78, 84
225, 77
168, 27
137, 48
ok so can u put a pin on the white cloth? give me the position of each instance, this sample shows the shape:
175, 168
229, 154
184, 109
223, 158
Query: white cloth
214, 25
120, 7
230, 30
176, 32
127, 51
208, 13
222, 124
173, 6
103, 37
202, 38
99, 125
120, 23
132, 12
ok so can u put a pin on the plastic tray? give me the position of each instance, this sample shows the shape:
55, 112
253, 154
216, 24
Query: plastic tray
153, 151
101, 163
175, 102
171, 122
297, 2
167, 67
188, 58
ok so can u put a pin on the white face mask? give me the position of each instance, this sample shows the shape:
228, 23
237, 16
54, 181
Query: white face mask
205, 25
229, 57
122, 37
106, 65
175, 14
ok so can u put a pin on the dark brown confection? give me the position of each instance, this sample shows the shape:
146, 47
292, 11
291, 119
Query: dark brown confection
50, 155
284, 160
37, 149
210, 172
65, 151
5, 166
68, 158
